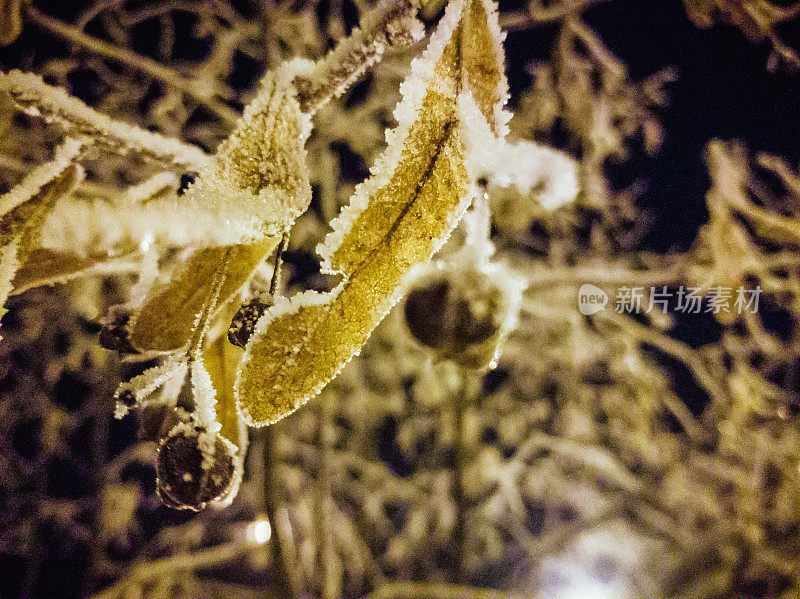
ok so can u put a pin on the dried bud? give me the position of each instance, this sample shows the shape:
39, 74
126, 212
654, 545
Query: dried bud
127, 398
463, 313
190, 475
115, 334
244, 322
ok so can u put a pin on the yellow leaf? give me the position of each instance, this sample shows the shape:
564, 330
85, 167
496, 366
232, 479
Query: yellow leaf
396, 220
257, 176
221, 360
482, 62
167, 319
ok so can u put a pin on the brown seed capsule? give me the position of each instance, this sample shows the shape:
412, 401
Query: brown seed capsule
461, 313
244, 321
156, 420
184, 481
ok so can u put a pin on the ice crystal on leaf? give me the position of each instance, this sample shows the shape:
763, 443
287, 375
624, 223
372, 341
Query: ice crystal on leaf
397, 219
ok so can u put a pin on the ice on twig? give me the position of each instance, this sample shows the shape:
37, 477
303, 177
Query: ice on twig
34, 96
65, 155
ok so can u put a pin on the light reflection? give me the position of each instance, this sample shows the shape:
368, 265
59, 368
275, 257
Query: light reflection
259, 531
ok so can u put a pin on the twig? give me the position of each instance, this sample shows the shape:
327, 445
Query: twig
603, 276
685, 354
272, 487
322, 496
536, 15
276, 269
127, 57
437, 590
33, 95
463, 397
204, 558
67, 154
393, 22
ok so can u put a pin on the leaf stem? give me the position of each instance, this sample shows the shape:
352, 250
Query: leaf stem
391, 23
276, 270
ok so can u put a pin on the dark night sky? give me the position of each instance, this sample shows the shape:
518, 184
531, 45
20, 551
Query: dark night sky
723, 91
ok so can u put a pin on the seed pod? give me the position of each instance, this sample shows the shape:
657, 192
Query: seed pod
191, 474
244, 321
463, 312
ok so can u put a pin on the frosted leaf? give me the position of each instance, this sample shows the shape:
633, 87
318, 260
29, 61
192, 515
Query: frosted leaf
483, 63
135, 391
397, 219
259, 174
221, 360
167, 318
43, 266
34, 96
20, 227
451, 68
9, 263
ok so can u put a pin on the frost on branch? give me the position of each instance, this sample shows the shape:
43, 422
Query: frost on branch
393, 23
29, 204
35, 97
398, 218
549, 175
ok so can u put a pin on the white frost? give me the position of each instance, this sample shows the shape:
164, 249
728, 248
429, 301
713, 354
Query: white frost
65, 154
151, 379
98, 227
526, 165
55, 104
